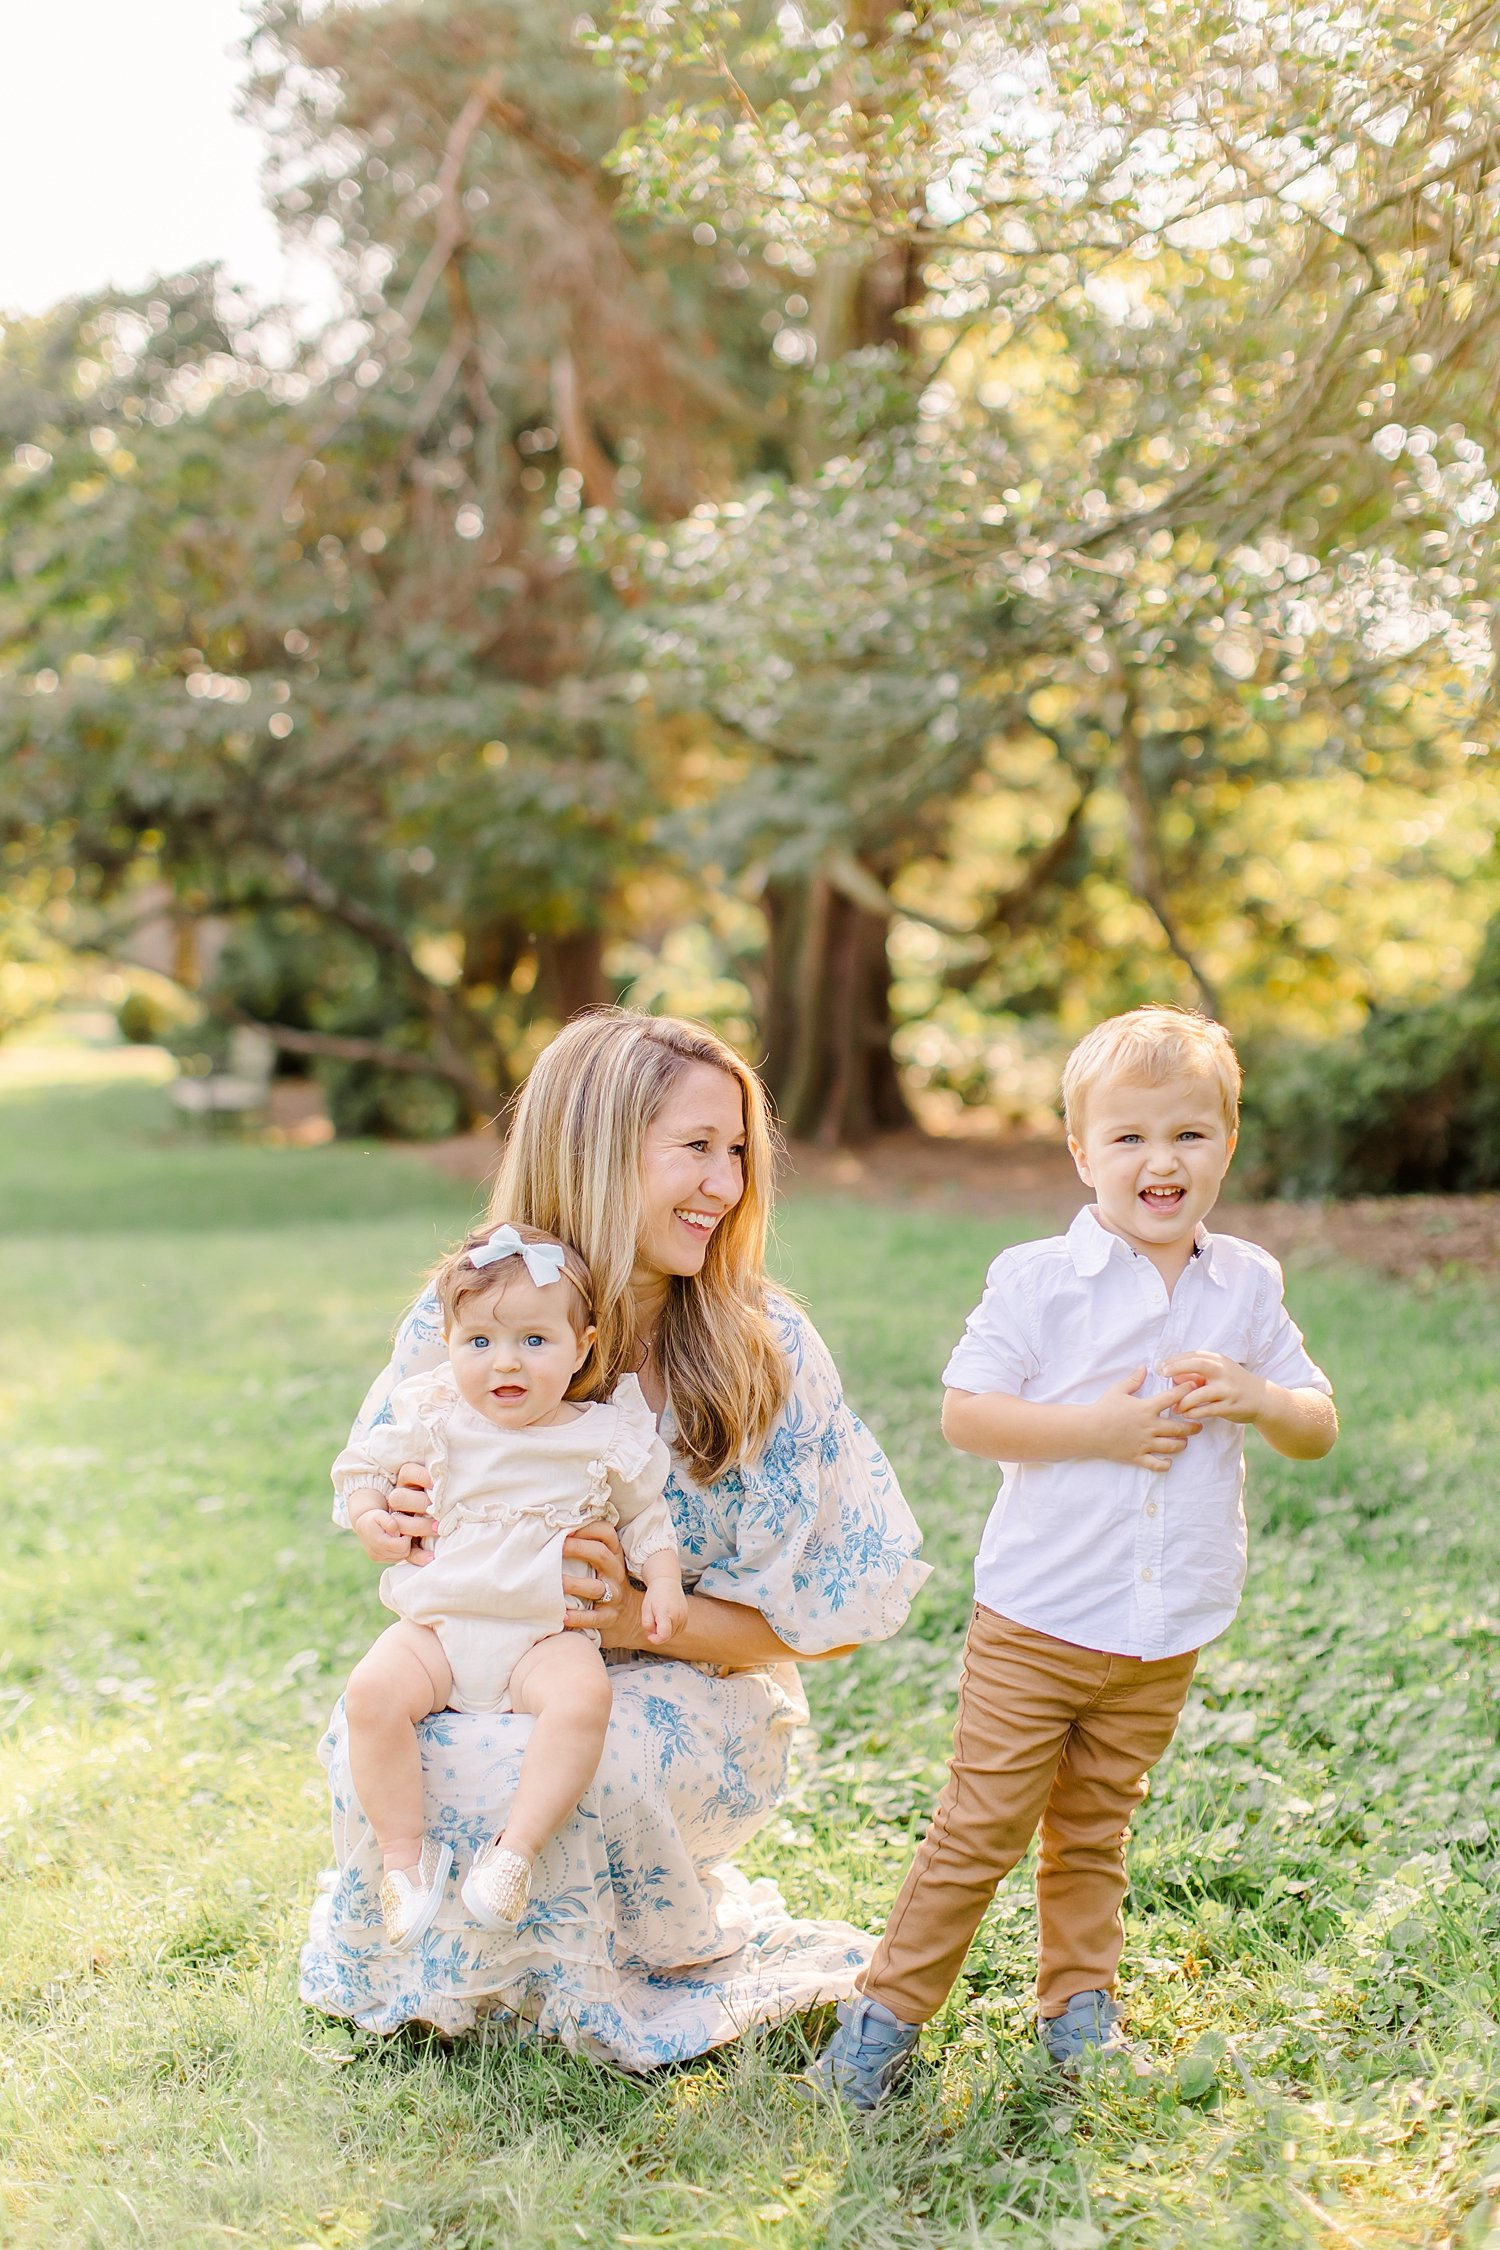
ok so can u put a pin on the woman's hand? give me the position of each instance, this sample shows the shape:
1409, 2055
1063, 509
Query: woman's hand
728, 1635
594, 1569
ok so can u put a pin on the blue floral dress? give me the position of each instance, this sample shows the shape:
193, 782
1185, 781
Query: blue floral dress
641, 1944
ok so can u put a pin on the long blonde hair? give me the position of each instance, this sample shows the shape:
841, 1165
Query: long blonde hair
572, 1165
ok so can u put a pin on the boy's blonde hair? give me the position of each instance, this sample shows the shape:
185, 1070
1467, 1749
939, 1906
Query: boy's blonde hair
572, 1164
1146, 1047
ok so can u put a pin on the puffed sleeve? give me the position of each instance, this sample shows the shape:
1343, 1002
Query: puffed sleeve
418, 1347
400, 1433
827, 1547
638, 1464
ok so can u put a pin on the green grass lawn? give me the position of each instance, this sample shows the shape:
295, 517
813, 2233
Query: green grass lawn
1311, 1968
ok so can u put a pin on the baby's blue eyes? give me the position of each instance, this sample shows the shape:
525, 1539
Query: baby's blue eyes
483, 1343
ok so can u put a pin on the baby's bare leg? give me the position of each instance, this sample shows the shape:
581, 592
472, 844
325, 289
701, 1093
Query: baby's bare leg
404, 1678
563, 1684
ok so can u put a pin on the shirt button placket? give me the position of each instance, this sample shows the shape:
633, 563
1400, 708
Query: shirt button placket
1151, 1523
1148, 1556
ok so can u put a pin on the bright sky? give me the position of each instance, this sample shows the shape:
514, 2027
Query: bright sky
120, 153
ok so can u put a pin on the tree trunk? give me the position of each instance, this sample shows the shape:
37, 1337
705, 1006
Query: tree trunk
827, 1017
570, 973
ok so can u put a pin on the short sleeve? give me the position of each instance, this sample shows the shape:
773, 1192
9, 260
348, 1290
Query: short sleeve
1276, 1348
827, 1549
996, 1351
418, 1347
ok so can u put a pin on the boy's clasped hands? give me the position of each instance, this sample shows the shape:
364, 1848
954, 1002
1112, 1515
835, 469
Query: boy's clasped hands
1149, 1432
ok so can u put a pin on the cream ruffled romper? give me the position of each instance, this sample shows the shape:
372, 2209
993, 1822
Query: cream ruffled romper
504, 1501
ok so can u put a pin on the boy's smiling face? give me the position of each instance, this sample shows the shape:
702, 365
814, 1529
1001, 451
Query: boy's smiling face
1155, 1157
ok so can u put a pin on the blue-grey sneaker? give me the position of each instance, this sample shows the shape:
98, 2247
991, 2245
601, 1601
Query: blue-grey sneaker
1088, 2025
867, 2056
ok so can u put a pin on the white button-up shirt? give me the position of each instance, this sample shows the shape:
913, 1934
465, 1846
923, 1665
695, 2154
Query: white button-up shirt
1138, 1562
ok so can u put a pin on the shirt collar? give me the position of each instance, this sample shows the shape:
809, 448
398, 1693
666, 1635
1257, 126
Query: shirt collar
1092, 1245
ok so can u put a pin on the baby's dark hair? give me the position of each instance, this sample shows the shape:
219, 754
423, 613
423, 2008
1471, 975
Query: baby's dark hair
459, 1277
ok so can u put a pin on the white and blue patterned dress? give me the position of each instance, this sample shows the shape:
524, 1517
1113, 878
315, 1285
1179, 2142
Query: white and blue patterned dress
641, 1945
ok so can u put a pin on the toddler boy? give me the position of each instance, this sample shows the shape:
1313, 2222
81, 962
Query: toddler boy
1113, 1370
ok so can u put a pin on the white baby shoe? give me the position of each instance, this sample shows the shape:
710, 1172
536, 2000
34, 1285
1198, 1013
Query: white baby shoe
497, 1886
410, 1897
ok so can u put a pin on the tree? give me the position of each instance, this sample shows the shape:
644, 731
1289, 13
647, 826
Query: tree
1193, 488
308, 642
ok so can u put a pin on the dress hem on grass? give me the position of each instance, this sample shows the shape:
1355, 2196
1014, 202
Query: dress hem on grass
640, 1946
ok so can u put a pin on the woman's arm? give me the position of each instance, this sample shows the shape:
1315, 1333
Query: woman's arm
716, 1632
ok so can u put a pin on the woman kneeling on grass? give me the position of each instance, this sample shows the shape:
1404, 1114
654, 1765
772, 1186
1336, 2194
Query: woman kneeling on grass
645, 1142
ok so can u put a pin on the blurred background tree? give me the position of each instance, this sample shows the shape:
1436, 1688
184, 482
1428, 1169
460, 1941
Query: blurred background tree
305, 644
1176, 505
898, 528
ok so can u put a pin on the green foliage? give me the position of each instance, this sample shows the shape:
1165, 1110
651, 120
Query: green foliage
1189, 504
296, 636
142, 1021
1013, 481
1410, 1103
1313, 1915
365, 1099
285, 968
847, 691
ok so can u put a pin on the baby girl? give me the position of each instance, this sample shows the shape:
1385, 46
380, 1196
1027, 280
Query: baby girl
520, 1454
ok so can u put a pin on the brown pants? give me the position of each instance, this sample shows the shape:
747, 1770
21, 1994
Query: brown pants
1047, 1734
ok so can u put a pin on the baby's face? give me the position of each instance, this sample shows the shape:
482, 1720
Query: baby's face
514, 1352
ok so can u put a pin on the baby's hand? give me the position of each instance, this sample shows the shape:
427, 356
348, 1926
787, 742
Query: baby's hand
380, 1534
1142, 1433
664, 1611
394, 1527
1216, 1389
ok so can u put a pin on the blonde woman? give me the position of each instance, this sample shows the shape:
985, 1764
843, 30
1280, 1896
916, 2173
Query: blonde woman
645, 1141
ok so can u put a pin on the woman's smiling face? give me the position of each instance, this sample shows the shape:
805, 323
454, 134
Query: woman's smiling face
692, 1170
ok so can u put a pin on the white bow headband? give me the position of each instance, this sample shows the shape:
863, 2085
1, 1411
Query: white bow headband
544, 1261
